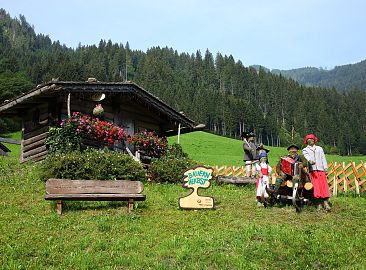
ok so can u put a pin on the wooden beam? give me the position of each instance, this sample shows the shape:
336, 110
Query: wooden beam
68, 105
26, 97
39, 137
11, 141
36, 157
35, 131
35, 151
33, 145
235, 179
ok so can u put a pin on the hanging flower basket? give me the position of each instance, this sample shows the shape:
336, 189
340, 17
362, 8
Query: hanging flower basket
98, 111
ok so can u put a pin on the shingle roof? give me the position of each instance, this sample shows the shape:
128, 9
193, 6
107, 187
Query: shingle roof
54, 88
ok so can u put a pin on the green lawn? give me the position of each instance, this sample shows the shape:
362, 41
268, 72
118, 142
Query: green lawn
14, 148
158, 235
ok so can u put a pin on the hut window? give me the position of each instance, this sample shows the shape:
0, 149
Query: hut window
36, 116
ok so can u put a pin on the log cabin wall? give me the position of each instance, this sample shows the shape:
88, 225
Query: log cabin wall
86, 107
132, 116
136, 117
34, 133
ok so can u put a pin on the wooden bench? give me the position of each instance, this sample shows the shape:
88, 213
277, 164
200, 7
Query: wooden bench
94, 190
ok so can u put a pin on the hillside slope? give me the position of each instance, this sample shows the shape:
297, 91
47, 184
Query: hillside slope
211, 149
342, 78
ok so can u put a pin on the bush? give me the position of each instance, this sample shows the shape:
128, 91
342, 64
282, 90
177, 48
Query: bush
149, 143
92, 164
62, 140
170, 167
331, 150
176, 150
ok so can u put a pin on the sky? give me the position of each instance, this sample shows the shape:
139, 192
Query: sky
277, 34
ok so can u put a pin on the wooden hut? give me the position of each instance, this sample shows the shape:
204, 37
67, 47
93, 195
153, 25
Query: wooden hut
124, 103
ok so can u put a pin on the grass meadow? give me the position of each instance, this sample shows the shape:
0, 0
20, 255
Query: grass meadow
158, 235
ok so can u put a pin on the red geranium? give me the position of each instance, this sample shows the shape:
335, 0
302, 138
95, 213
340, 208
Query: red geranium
95, 129
149, 142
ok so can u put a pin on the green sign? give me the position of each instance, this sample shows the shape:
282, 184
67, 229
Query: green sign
194, 179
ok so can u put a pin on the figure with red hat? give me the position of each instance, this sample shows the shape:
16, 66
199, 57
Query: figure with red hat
318, 168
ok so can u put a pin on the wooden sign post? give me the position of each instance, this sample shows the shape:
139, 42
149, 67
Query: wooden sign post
195, 178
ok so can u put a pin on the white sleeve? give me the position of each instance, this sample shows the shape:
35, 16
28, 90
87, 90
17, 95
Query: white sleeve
258, 167
306, 154
325, 163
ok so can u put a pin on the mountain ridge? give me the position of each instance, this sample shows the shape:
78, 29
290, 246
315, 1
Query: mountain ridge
343, 78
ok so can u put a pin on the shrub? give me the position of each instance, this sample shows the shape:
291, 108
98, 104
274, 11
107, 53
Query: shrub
170, 167
149, 143
334, 150
176, 150
62, 140
92, 164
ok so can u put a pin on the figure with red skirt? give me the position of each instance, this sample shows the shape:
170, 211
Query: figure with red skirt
264, 172
318, 168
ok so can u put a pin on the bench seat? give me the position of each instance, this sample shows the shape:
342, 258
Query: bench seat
94, 190
95, 197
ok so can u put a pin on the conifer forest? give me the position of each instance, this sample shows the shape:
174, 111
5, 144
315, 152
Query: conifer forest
210, 88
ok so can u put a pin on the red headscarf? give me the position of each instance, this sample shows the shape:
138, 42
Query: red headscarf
310, 136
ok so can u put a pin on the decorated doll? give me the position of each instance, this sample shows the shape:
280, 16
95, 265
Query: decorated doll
264, 171
318, 171
250, 153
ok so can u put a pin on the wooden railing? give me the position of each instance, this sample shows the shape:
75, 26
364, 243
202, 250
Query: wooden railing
347, 177
9, 140
229, 170
341, 177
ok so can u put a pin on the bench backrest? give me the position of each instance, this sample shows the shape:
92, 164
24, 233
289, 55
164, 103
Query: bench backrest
65, 186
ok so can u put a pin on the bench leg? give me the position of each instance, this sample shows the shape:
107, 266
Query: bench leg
130, 205
59, 207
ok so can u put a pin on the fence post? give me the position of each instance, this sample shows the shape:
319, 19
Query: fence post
355, 172
344, 177
335, 187
357, 187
